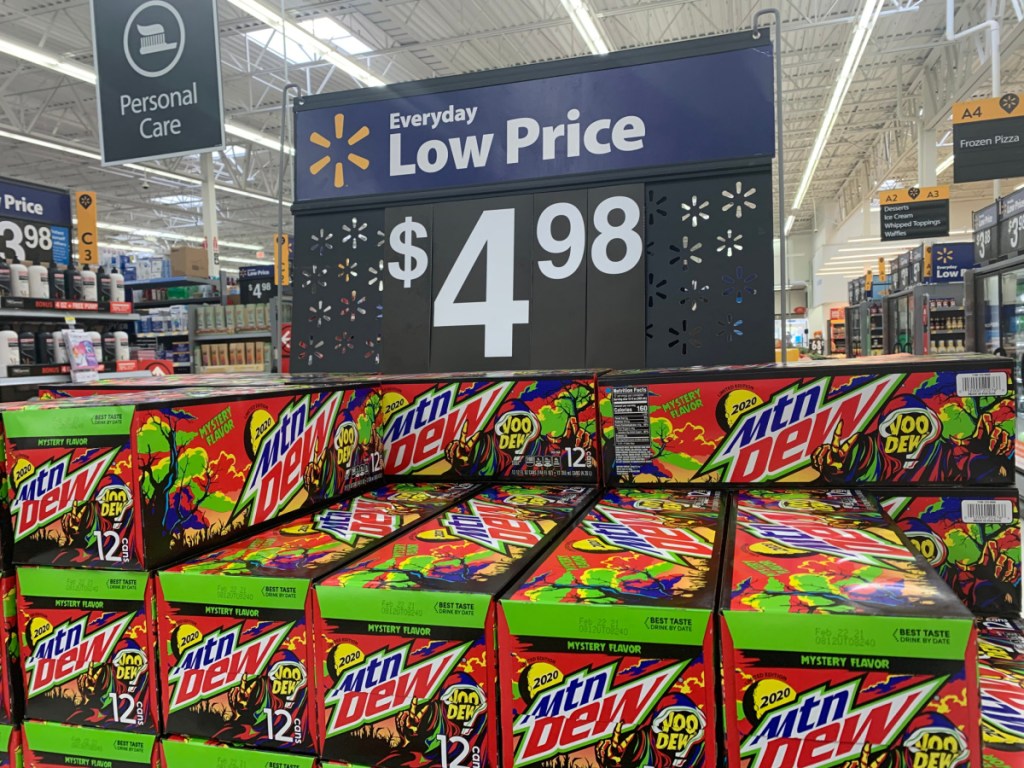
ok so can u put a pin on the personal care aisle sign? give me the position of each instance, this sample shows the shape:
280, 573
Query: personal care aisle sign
590, 212
35, 223
158, 78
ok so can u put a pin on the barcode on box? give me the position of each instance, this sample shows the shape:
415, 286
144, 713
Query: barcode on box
991, 384
988, 511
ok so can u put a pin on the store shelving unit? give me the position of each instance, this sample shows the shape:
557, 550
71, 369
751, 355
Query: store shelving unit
30, 315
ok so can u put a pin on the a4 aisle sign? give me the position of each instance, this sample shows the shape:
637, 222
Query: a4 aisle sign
988, 138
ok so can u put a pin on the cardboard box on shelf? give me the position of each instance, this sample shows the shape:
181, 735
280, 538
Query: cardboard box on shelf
407, 634
901, 420
247, 608
10, 747
187, 261
178, 752
88, 647
136, 480
840, 644
607, 643
971, 537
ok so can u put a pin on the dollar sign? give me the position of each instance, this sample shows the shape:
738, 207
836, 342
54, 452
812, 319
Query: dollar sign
414, 263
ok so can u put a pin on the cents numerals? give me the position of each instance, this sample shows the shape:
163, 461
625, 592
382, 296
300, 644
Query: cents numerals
616, 248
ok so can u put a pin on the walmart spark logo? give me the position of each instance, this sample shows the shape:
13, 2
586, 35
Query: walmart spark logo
357, 160
944, 255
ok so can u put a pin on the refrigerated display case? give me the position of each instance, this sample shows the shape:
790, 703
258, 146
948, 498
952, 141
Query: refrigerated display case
853, 336
837, 331
997, 306
872, 327
926, 319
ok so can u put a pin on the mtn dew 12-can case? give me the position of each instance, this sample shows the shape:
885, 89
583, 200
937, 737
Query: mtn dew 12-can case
10, 747
971, 537
840, 646
134, 481
511, 427
178, 752
406, 634
947, 420
608, 641
87, 647
54, 745
1001, 669
11, 688
235, 623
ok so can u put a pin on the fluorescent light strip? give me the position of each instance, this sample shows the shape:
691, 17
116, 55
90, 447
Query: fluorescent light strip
944, 164
304, 39
59, 64
859, 42
48, 144
120, 247
142, 232
239, 260
586, 25
790, 222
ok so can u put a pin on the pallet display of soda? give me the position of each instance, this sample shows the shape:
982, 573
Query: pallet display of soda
407, 635
840, 643
885, 421
607, 643
10, 747
236, 623
178, 752
53, 745
1001, 668
134, 481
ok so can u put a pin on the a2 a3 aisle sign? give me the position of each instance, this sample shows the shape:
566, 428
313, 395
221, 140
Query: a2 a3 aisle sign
914, 213
158, 78
988, 139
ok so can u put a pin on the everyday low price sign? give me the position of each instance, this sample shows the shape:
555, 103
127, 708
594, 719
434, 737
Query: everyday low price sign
158, 78
661, 114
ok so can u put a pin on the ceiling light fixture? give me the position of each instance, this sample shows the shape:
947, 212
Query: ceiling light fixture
142, 232
256, 138
790, 221
944, 165
309, 42
586, 25
858, 44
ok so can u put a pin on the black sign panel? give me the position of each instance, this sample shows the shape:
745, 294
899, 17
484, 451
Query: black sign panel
988, 139
158, 78
986, 234
1011, 225
256, 284
914, 213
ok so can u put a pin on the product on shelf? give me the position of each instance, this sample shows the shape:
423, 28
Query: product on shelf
10, 747
895, 421
178, 752
529, 427
607, 644
839, 644
238, 663
53, 745
1001, 640
87, 647
407, 635
11, 689
137, 480
971, 537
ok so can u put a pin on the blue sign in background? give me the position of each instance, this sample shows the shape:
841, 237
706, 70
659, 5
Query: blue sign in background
949, 260
56, 204
698, 109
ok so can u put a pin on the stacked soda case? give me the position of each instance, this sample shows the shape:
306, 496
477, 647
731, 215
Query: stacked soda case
1001, 668
840, 644
608, 642
236, 625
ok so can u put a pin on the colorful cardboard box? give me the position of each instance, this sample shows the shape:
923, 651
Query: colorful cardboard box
10, 747
903, 421
971, 537
1001, 639
607, 642
1001, 670
134, 481
840, 644
177, 752
52, 745
406, 635
12, 695
87, 650
539, 427
235, 623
